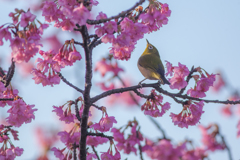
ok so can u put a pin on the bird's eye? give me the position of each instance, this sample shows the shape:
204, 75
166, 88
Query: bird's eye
150, 47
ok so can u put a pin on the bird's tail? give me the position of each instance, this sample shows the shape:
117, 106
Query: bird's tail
165, 81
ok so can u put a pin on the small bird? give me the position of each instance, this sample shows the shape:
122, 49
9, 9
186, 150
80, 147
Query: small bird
150, 65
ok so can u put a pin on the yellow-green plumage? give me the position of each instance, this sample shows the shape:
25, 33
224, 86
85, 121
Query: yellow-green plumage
150, 65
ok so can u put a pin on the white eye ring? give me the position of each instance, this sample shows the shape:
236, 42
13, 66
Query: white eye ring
150, 47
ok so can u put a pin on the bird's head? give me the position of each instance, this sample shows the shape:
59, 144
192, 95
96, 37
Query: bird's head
150, 49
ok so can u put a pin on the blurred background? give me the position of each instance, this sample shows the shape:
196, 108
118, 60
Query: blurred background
199, 33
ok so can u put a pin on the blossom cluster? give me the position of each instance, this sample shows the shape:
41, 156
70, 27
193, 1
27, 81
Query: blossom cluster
66, 114
20, 112
66, 14
180, 72
150, 107
8, 152
130, 29
52, 63
190, 115
203, 83
209, 137
105, 123
129, 144
24, 35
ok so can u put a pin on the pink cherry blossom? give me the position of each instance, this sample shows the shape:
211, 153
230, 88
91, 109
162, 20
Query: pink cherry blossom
80, 15
238, 129
227, 110
219, 83
58, 153
95, 141
190, 115
105, 66
177, 82
105, 124
164, 150
194, 154
20, 113
209, 139
91, 156
4, 33
181, 69
26, 18
170, 68
150, 107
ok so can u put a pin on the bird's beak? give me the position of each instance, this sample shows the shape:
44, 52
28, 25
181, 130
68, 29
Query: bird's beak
147, 41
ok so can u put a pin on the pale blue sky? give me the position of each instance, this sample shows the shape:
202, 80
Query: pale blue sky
200, 33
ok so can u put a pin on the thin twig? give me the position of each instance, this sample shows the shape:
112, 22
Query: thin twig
6, 99
94, 150
227, 147
188, 79
99, 108
75, 42
68, 83
142, 95
100, 135
122, 14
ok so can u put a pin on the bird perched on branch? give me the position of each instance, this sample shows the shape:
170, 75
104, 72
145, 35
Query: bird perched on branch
150, 65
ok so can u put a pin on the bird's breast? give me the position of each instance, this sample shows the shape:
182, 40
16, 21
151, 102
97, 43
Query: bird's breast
148, 73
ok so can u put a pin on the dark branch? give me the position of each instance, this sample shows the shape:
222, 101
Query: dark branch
122, 14
6, 99
160, 90
99, 108
75, 42
100, 135
142, 95
77, 110
74, 151
86, 93
10, 73
68, 83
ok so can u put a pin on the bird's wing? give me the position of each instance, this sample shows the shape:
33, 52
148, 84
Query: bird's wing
146, 61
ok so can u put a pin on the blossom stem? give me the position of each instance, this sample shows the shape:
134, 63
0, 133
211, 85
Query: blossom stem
122, 14
94, 150
68, 83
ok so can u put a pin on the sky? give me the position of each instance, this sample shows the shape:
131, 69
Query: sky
199, 33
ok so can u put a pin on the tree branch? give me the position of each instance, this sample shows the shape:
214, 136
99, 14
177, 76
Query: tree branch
86, 93
68, 83
160, 90
122, 14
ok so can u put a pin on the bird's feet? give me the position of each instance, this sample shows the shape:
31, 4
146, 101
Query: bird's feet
140, 84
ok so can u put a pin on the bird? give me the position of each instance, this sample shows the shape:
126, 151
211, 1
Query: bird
150, 65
